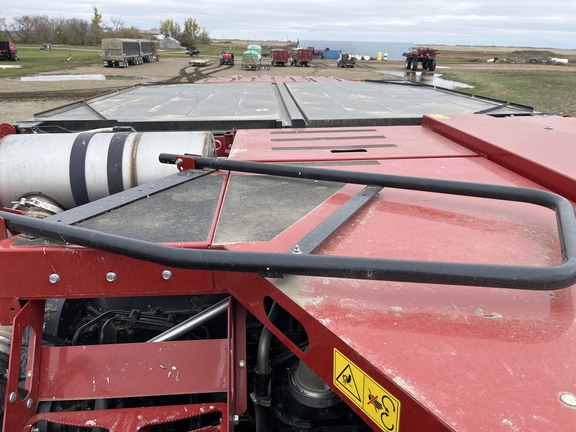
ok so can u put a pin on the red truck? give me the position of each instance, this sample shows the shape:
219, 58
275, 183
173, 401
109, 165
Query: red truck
227, 58
424, 55
8, 51
279, 57
301, 57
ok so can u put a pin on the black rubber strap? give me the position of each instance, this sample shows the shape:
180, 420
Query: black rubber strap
114, 162
78, 168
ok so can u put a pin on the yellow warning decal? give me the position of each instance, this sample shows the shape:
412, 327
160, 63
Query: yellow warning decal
366, 393
440, 116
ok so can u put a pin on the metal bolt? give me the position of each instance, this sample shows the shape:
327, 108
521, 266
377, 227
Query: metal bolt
548, 127
568, 399
12, 398
30, 403
29, 374
110, 276
296, 250
236, 419
241, 363
54, 278
166, 275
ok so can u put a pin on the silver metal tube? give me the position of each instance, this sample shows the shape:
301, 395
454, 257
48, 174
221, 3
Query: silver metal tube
193, 322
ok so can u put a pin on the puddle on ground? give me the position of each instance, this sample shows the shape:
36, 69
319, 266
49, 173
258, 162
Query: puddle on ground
429, 78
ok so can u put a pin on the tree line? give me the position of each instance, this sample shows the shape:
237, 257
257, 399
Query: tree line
74, 31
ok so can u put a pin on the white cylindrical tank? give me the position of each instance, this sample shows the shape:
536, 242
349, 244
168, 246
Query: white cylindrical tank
558, 61
77, 168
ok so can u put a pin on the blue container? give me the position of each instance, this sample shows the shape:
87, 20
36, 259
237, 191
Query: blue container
332, 54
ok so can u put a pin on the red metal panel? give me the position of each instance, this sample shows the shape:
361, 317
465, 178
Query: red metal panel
461, 352
322, 341
272, 79
419, 225
130, 370
342, 144
131, 420
132, 278
539, 148
18, 402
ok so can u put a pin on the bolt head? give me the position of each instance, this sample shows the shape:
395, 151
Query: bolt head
241, 363
111, 276
12, 397
166, 275
54, 278
29, 403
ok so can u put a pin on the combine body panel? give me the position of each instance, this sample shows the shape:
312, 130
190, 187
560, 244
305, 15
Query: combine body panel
8, 51
302, 57
424, 55
229, 272
124, 52
280, 57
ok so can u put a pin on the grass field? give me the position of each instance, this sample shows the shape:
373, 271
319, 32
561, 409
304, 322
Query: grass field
546, 91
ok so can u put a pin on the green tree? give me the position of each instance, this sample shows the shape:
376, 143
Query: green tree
97, 18
193, 33
169, 28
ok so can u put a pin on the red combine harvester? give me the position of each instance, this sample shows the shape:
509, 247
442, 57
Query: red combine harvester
424, 55
314, 269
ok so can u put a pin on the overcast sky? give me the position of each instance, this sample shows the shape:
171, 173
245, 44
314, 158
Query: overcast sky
544, 23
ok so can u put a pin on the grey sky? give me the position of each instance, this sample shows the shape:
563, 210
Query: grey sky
545, 23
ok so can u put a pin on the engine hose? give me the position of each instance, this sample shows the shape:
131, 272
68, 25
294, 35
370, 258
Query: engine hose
262, 377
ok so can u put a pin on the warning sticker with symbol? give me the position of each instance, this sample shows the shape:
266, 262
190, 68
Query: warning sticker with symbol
367, 394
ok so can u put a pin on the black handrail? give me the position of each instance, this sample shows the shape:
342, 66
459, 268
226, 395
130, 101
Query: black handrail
448, 273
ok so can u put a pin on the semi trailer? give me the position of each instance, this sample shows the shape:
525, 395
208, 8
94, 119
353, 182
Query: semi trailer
119, 52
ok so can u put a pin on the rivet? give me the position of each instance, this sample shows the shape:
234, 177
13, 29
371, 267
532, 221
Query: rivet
12, 398
296, 250
241, 363
54, 278
110, 276
166, 275
568, 399
30, 403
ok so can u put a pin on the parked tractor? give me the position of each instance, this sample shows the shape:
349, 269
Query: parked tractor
424, 55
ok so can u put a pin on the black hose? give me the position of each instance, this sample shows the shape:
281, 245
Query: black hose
263, 377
